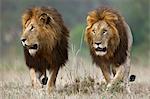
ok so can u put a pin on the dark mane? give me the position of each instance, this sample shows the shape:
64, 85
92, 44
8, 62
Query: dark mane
115, 20
51, 54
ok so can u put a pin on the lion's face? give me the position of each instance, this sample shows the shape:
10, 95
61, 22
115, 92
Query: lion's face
102, 36
100, 33
41, 30
30, 38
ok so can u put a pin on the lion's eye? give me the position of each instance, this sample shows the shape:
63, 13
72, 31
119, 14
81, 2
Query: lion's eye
104, 31
32, 27
93, 31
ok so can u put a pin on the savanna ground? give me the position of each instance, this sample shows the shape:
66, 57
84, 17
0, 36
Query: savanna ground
79, 79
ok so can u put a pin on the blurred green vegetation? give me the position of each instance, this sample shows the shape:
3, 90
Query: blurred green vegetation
74, 12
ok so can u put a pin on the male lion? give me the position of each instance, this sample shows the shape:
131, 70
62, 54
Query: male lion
110, 40
45, 42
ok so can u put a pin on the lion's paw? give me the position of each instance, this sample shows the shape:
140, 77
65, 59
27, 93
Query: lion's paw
103, 82
109, 87
51, 89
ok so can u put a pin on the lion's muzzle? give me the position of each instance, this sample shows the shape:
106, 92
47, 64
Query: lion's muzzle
100, 50
32, 48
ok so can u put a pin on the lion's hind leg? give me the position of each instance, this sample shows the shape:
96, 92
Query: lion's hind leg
126, 74
52, 78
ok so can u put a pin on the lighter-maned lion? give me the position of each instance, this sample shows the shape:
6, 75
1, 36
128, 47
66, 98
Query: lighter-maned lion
45, 42
110, 40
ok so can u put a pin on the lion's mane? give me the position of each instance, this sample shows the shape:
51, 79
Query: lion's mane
54, 50
117, 54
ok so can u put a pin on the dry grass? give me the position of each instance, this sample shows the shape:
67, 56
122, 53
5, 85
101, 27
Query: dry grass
79, 79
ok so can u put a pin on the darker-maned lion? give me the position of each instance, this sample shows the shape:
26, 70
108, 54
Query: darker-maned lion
45, 42
110, 41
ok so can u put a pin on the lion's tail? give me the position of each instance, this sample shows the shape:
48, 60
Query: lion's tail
132, 78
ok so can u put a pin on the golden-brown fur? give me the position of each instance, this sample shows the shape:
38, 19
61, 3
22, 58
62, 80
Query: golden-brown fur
45, 41
115, 41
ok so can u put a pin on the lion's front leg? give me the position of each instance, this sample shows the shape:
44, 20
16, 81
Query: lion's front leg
117, 78
35, 83
122, 75
52, 80
106, 72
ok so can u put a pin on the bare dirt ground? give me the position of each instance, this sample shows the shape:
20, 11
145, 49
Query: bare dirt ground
78, 80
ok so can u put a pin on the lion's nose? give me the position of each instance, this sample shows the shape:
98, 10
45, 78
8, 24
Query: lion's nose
23, 40
97, 43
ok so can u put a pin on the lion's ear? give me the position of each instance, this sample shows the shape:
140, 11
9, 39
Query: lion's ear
91, 18
44, 18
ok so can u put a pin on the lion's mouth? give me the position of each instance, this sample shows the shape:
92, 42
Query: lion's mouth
101, 49
34, 46
32, 49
